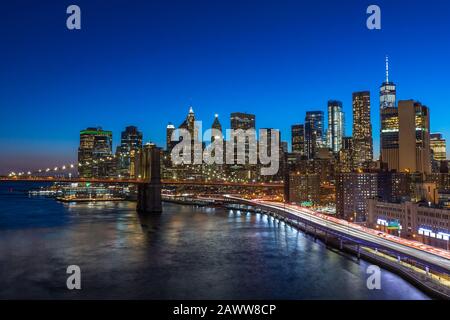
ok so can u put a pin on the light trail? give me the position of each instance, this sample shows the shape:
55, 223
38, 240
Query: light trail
415, 249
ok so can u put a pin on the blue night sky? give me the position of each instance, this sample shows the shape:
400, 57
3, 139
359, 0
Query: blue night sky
144, 62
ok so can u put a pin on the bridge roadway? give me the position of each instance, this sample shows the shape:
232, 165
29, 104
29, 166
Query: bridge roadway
142, 181
429, 256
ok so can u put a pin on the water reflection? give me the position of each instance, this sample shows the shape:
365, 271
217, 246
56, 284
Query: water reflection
186, 252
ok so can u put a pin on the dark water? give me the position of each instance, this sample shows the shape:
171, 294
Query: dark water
186, 253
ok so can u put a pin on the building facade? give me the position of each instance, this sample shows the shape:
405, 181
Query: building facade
298, 139
362, 130
130, 143
314, 133
335, 125
417, 221
414, 137
95, 158
352, 193
438, 147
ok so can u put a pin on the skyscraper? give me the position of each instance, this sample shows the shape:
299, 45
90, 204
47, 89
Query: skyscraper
130, 142
353, 190
438, 147
190, 125
388, 91
95, 153
414, 137
243, 121
169, 143
346, 155
217, 136
298, 138
314, 134
389, 123
335, 125
217, 126
362, 130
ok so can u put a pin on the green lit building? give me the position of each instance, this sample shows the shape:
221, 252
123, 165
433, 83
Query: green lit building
95, 158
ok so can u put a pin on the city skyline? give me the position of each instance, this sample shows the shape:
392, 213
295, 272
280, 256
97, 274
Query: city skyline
305, 82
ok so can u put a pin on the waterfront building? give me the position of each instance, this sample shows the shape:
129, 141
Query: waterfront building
362, 130
415, 220
131, 141
95, 158
304, 188
335, 125
352, 192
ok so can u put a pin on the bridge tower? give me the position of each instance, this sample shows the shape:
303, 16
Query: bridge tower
149, 193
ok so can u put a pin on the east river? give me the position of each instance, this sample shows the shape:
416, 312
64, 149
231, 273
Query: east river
185, 253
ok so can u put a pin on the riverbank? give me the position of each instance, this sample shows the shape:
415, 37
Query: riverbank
425, 282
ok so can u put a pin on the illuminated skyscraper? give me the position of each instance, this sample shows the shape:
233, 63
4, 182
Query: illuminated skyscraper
217, 136
243, 121
169, 143
346, 155
362, 130
414, 137
95, 157
388, 91
298, 139
353, 190
335, 125
190, 125
438, 147
131, 141
389, 123
314, 134
217, 126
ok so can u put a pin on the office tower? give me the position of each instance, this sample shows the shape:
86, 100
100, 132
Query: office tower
353, 190
389, 137
217, 126
298, 139
388, 91
243, 121
314, 134
130, 142
388, 123
414, 137
190, 125
362, 130
438, 147
247, 171
216, 171
335, 125
95, 154
346, 155
284, 146
169, 143
304, 188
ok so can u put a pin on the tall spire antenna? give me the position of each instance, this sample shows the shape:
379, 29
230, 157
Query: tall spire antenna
387, 69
